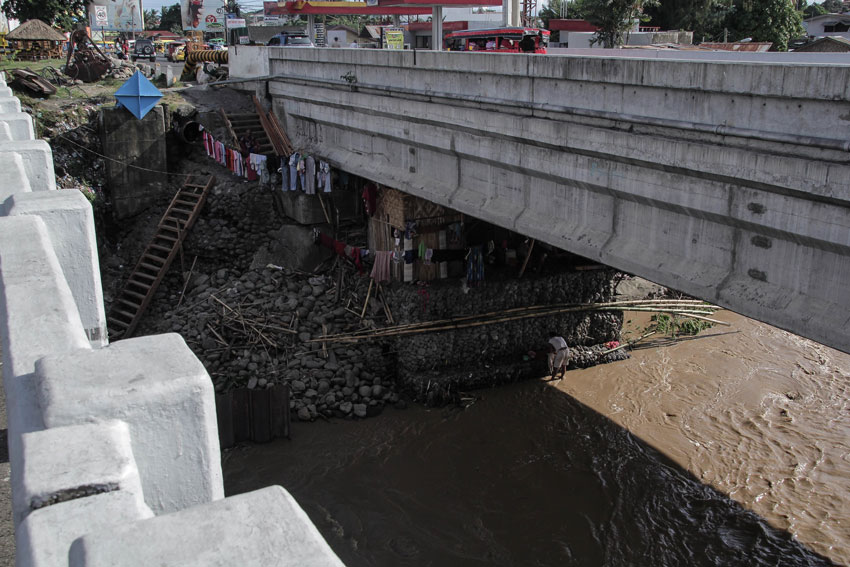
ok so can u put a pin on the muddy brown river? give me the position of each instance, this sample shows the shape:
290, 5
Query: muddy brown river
730, 448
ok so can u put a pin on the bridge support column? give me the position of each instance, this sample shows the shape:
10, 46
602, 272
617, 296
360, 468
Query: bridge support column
437, 28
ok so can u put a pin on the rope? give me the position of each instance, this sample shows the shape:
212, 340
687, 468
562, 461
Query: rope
119, 161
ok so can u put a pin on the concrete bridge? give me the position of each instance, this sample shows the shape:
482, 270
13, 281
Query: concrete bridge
729, 181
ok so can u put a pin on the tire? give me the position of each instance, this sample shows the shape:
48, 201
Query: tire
146, 50
153, 58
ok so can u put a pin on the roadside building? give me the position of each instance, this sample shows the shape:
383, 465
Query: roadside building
34, 40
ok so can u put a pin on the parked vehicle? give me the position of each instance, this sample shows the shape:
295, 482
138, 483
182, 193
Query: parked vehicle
499, 40
172, 48
179, 53
143, 48
285, 39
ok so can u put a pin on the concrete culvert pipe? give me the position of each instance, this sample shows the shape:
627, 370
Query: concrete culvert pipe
189, 132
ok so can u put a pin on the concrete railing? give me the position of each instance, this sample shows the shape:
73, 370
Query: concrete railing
114, 449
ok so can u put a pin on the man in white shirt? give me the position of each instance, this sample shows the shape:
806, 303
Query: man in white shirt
559, 355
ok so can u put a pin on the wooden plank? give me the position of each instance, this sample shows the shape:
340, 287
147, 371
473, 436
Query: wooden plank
241, 408
261, 425
279, 405
224, 416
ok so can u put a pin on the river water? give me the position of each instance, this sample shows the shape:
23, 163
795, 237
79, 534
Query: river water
729, 448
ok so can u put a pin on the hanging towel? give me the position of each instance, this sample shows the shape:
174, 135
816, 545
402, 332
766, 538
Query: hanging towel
293, 171
381, 269
310, 175
324, 176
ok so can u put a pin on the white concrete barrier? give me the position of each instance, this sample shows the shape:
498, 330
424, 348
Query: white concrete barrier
70, 223
102, 438
264, 527
95, 458
13, 176
44, 538
163, 392
38, 162
20, 124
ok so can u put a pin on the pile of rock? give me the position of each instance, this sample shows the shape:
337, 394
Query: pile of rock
255, 330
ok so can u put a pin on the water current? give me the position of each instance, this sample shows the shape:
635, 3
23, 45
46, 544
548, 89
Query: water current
729, 448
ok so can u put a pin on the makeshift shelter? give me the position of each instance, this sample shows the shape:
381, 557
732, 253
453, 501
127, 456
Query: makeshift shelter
33, 40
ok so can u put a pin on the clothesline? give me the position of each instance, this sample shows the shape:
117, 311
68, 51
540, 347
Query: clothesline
253, 167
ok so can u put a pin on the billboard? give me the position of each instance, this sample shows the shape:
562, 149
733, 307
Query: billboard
203, 15
116, 15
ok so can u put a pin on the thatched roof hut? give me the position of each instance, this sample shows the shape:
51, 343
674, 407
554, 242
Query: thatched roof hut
35, 30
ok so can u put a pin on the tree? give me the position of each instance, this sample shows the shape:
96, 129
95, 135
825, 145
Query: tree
813, 10
151, 18
62, 13
558, 9
775, 21
613, 18
703, 17
171, 19
832, 6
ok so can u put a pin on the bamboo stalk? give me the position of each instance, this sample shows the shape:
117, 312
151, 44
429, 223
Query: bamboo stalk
527, 258
366, 303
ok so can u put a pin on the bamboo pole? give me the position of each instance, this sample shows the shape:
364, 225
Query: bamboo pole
366, 303
527, 258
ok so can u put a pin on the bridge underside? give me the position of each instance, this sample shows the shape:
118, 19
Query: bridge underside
621, 161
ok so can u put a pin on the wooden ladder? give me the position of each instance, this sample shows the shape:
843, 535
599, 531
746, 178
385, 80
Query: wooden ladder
167, 241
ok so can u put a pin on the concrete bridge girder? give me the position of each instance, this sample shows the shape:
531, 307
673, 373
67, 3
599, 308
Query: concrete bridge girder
756, 221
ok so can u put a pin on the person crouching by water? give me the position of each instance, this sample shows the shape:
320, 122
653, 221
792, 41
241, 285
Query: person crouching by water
559, 355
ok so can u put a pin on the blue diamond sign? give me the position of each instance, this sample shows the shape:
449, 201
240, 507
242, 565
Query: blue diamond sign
138, 95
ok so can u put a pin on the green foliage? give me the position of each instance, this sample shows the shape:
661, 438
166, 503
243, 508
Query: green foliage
151, 19
614, 18
664, 323
832, 6
813, 10
706, 18
775, 21
171, 19
62, 13
558, 9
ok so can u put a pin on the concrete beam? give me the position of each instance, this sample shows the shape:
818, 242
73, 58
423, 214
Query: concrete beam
688, 174
38, 162
67, 463
44, 538
70, 224
264, 527
165, 395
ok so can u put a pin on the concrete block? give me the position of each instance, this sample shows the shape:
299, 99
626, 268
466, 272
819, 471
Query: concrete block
137, 143
13, 176
45, 537
5, 91
67, 463
5, 133
264, 527
70, 224
38, 162
9, 104
164, 394
20, 123
38, 314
